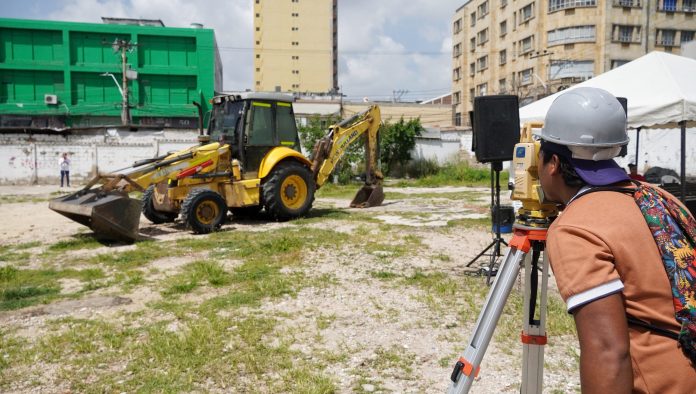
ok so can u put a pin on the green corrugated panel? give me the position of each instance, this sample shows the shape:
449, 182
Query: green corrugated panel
28, 87
176, 66
25, 46
167, 51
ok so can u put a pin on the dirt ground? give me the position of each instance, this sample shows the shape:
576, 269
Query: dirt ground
356, 326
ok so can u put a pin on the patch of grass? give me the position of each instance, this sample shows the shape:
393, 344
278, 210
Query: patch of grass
12, 199
330, 190
20, 288
17, 254
454, 174
478, 223
81, 241
324, 321
468, 196
144, 253
13, 351
383, 275
195, 274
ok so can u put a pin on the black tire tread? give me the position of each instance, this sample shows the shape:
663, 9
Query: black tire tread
188, 207
271, 195
149, 211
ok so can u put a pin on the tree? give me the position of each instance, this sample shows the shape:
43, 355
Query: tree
397, 142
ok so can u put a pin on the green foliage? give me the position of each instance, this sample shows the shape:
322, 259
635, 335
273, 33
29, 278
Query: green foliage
317, 128
396, 142
421, 168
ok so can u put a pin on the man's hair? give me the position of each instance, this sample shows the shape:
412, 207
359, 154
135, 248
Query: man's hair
570, 177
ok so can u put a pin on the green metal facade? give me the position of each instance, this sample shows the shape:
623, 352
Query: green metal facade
175, 67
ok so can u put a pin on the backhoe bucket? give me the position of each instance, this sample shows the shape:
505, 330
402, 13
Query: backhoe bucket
111, 215
368, 196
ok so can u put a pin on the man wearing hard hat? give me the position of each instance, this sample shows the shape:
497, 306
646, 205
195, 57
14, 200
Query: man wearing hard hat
603, 254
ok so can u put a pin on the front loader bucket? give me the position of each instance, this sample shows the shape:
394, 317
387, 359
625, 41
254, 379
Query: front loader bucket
368, 196
112, 215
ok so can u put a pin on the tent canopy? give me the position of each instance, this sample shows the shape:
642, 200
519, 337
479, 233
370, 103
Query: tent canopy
660, 88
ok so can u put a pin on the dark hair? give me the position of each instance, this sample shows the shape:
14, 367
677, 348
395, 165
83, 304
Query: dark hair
570, 177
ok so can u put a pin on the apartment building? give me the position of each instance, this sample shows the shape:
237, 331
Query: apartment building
533, 48
295, 46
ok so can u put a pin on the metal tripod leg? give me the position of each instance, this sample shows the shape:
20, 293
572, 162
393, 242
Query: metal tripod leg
468, 365
533, 334
534, 329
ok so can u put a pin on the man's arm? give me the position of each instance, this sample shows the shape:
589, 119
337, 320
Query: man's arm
605, 359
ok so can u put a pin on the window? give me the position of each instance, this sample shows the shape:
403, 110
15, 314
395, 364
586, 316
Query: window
627, 3
261, 124
686, 36
472, 69
503, 3
295, 58
525, 76
482, 89
258, 69
258, 15
556, 5
457, 118
482, 63
571, 34
503, 28
667, 5
473, 19
502, 86
285, 123
583, 69
457, 74
258, 42
258, 29
689, 5
295, 14
527, 12
482, 36
258, 56
472, 44
457, 50
625, 33
503, 57
295, 71
456, 97
457, 27
295, 43
482, 9
471, 95
666, 37
295, 29
526, 44
617, 63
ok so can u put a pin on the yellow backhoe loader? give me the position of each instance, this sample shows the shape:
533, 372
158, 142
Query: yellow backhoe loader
248, 160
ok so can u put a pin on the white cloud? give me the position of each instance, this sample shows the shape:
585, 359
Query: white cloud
384, 45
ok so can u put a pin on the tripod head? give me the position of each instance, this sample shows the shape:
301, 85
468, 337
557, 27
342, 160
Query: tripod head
535, 211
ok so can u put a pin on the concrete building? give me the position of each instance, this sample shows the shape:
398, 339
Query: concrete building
533, 48
63, 74
295, 46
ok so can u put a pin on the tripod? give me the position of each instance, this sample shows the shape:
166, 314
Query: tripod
496, 167
533, 333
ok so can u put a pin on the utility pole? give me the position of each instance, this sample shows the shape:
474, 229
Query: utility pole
124, 46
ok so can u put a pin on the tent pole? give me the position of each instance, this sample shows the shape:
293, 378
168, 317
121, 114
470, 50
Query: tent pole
683, 160
636, 161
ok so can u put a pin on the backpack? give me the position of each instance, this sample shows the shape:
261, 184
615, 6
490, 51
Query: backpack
674, 231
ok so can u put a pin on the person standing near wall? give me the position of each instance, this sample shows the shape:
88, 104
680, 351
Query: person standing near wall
64, 163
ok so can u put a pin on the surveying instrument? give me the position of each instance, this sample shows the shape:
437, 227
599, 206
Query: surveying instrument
533, 220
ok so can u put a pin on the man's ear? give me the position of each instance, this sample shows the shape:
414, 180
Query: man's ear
554, 165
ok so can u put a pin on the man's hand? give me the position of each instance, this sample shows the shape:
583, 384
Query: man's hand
605, 359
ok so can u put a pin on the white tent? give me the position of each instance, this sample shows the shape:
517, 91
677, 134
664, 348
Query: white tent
660, 89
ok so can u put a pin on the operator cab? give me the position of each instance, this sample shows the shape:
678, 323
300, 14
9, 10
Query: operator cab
253, 124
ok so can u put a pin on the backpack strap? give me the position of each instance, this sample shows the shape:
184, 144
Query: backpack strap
634, 321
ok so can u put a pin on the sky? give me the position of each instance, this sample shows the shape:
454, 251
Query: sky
385, 47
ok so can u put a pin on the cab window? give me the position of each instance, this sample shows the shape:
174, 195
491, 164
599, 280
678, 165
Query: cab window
260, 130
287, 129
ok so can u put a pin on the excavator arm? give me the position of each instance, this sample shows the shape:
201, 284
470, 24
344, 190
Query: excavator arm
329, 150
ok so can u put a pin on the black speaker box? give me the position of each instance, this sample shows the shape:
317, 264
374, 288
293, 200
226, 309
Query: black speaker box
496, 127
624, 104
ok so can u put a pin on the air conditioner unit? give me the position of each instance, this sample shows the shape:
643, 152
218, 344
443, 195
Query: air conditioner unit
50, 99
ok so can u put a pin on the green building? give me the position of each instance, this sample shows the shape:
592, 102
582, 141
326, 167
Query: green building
63, 74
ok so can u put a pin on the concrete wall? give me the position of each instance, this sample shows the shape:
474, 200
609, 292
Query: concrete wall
451, 146
31, 159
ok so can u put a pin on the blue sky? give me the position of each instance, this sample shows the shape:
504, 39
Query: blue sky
384, 45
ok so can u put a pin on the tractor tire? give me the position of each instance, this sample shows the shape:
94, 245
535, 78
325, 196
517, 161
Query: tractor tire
203, 211
246, 212
153, 215
288, 192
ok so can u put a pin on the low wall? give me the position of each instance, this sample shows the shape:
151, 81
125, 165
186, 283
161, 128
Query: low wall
33, 159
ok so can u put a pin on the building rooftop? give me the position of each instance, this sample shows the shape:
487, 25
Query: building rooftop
132, 21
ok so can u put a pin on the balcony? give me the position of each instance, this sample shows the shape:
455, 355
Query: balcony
627, 3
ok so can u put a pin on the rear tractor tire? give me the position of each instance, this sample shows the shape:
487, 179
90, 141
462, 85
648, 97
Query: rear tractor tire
203, 211
153, 215
288, 192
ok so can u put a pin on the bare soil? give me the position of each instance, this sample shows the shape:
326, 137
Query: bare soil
368, 315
